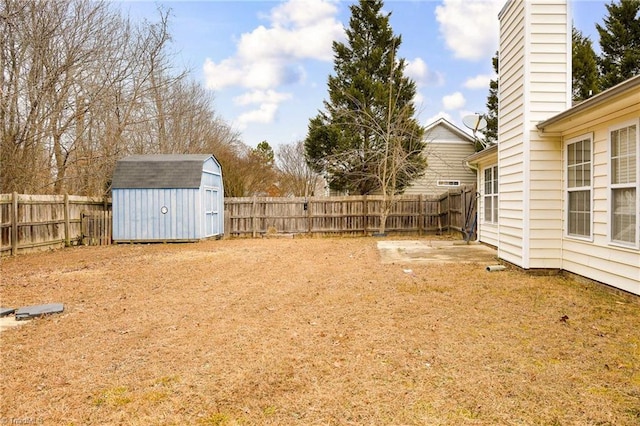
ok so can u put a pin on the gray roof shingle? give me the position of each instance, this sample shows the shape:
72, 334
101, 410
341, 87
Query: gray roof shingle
161, 171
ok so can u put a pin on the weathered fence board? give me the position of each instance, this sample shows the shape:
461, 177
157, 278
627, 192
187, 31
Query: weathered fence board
37, 222
352, 215
96, 227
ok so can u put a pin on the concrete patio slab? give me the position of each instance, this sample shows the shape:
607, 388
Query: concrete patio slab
426, 251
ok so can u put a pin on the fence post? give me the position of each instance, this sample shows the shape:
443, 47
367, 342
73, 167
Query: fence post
309, 219
365, 211
421, 214
227, 221
449, 211
14, 224
67, 236
253, 218
105, 223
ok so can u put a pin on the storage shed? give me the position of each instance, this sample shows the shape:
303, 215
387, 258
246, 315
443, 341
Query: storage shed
167, 198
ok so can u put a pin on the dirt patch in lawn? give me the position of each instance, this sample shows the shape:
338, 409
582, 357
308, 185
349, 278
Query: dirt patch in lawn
310, 331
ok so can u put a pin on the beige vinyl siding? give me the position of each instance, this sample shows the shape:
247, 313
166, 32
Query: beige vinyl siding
441, 133
534, 85
446, 152
597, 263
510, 133
549, 92
599, 259
545, 205
445, 161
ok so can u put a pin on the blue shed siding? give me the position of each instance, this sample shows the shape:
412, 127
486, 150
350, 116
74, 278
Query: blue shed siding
145, 184
212, 175
138, 215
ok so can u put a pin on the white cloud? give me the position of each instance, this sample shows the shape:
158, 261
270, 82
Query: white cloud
469, 27
419, 72
265, 114
261, 97
453, 101
439, 115
270, 56
302, 12
416, 69
268, 102
226, 73
418, 100
257, 75
479, 81
313, 41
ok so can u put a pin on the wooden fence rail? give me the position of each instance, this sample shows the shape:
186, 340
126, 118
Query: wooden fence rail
352, 215
36, 222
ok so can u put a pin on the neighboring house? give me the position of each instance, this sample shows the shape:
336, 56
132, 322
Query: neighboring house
167, 198
447, 147
561, 189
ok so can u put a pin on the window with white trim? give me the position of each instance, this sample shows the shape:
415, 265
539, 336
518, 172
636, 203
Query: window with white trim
623, 151
490, 197
579, 187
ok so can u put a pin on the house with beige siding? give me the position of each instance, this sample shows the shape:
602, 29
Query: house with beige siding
561, 189
447, 147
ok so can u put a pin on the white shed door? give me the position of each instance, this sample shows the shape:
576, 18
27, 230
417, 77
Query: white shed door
211, 212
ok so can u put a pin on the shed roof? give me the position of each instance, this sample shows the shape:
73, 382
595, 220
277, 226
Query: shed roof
165, 171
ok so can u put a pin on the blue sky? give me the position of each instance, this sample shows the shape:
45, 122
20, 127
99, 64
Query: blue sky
267, 62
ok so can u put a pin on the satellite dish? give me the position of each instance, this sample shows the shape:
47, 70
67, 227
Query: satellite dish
475, 122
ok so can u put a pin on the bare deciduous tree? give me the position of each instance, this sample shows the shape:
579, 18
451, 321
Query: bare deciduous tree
399, 154
295, 176
81, 86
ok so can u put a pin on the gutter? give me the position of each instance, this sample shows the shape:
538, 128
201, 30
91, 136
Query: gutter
485, 152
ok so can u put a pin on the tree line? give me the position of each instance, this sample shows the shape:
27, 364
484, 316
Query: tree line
83, 86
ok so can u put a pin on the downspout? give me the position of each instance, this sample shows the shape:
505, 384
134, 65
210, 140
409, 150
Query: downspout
477, 170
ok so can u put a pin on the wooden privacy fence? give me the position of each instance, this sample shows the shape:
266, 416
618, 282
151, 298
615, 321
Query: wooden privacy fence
351, 215
35, 222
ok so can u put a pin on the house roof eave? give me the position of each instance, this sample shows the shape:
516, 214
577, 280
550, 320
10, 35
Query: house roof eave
555, 123
452, 127
481, 155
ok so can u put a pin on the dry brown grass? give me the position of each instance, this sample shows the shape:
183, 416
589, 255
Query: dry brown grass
310, 332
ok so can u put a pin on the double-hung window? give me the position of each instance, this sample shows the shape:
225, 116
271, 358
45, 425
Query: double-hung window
623, 151
491, 194
579, 187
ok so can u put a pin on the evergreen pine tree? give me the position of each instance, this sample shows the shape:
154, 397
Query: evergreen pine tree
620, 43
491, 131
584, 67
370, 104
